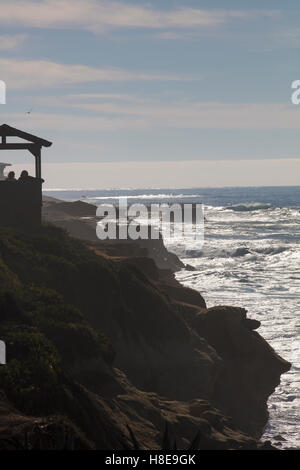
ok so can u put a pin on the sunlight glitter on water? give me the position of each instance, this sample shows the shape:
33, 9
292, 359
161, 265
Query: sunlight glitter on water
252, 259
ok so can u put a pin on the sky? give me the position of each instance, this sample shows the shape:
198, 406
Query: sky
154, 93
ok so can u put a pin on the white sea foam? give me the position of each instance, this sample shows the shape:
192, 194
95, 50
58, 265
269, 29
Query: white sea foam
252, 259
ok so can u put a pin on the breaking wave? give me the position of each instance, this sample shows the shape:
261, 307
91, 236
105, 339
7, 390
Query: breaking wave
249, 207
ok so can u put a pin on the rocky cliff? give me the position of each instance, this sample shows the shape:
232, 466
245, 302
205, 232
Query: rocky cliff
120, 351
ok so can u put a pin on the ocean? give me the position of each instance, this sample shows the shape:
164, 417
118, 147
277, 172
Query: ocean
250, 258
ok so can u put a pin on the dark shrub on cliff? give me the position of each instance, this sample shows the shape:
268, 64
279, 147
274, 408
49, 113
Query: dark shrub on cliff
43, 333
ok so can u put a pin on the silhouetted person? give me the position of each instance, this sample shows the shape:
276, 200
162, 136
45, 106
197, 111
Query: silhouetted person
11, 176
25, 177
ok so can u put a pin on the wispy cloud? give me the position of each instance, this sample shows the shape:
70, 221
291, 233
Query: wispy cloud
52, 122
35, 74
73, 114
9, 42
150, 113
175, 35
99, 15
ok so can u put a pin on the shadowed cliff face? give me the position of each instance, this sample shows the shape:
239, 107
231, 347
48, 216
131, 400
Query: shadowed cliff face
250, 368
165, 344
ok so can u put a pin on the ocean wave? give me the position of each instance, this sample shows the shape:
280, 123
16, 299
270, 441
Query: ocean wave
218, 253
249, 207
241, 251
148, 196
271, 250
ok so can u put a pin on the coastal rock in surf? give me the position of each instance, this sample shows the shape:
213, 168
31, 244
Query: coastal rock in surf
241, 252
250, 370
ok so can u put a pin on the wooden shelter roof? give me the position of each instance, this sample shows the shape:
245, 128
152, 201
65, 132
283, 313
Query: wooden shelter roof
8, 131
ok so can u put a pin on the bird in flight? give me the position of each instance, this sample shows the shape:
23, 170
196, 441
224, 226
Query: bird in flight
30, 111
